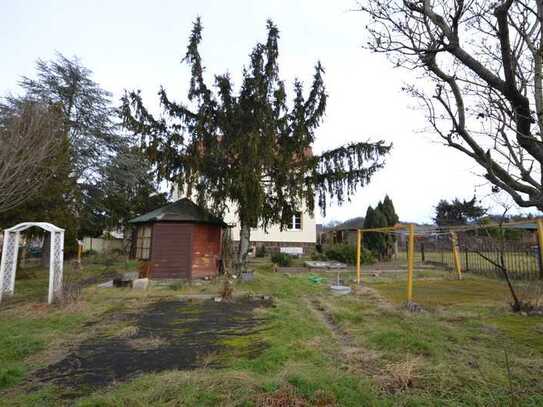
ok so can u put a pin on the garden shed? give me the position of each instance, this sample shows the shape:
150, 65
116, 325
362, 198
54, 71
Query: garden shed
179, 240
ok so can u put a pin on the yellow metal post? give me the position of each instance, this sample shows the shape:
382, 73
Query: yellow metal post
456, 255
358, 254
410, 261
540, 241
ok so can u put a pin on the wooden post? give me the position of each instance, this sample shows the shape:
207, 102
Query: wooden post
79, 251
358, 254
456, 255
410, 261
540, 244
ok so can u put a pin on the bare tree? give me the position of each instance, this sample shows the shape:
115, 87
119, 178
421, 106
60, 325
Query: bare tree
31, 137
484, 62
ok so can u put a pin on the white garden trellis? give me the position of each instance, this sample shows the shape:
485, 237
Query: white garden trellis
8, 265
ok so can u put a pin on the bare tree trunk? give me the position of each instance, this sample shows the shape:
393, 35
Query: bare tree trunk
244, 240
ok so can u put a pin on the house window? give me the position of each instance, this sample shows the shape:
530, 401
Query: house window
143, 242
296, 222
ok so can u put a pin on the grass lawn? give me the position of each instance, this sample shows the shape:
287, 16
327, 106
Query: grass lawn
308, 348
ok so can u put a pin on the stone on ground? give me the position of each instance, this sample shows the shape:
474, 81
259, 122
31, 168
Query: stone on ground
140, 284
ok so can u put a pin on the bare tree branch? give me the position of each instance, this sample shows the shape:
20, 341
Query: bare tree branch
484, 60
30, 139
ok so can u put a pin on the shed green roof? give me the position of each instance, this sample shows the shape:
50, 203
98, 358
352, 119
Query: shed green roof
183, 210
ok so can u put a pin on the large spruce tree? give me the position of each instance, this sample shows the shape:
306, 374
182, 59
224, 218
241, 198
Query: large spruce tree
250, 148
86, 107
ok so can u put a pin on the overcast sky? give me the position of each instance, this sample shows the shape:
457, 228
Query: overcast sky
139, 44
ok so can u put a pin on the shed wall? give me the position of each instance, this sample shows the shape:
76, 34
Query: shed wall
206, 250
171, 252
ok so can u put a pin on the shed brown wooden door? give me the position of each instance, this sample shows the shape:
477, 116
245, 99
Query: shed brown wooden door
171, 254
206, 250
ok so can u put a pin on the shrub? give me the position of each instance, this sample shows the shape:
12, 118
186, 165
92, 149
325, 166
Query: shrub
260, 251
346, 253
281, 259
318, 256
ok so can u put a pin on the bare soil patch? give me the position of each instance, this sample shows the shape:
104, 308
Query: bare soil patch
166, 335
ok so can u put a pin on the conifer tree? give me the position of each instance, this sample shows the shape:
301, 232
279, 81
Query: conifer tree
91, 141
375, 241
390, 212
86, 108
392, 219
250, 148
458, 212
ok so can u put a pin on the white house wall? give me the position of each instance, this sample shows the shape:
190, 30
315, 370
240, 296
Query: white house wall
307, 234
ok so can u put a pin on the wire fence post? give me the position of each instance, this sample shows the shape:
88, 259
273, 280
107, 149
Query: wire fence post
456, 255
358, 254
410, 261
540, 246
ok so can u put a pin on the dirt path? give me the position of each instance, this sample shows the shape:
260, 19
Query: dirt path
326, 317
350, 355
356, 358
373, 296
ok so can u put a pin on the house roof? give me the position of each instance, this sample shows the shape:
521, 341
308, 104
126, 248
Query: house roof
183, 210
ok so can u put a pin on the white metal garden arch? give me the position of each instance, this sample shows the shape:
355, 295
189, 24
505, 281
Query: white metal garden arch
8, 265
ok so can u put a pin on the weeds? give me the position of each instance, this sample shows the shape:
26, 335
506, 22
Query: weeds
283, 397
227, 290
281, 259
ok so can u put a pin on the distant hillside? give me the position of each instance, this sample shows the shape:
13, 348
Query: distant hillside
353, 223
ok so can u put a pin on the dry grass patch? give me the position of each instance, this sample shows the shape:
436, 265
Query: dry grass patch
374, 297
362, 360
128, 331
286, 396
209, 359
400, 376
58, 348
147, 343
